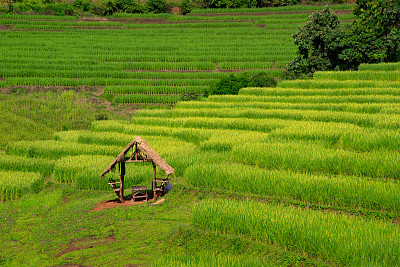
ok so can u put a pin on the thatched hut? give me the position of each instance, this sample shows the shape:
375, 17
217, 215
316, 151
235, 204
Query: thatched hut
141, 152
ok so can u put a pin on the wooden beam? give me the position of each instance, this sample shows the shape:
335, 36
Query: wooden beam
121, 179
154, 184
128, 160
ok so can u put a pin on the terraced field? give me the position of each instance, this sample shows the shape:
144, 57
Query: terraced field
304, 174
321, 154
146, 58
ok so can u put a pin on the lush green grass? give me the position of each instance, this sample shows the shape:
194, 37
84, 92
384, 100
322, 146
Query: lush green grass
259, 168
321, 189
59, 227
13, 184
36, 116
346, 240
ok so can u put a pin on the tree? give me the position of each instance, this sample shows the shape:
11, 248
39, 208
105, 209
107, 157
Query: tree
313, 41
323, 44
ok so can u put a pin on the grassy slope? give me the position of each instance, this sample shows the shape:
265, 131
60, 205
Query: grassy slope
58, 227
38, 115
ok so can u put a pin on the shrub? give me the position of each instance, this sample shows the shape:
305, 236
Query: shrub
186, 7
156, 6
230, 85
130, 6
262, 79
84, 5
233, 83
50, 8
102, 7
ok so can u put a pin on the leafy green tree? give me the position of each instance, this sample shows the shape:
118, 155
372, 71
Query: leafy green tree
323, 44
186, 7
313, 39
156, 6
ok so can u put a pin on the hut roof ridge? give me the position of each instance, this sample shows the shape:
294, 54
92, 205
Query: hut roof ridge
148, 154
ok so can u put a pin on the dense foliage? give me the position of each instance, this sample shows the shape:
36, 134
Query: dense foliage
324, 44
108, 7
98, 7
233, 83
256, 3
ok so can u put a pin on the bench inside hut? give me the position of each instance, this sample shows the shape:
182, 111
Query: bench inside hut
141, 152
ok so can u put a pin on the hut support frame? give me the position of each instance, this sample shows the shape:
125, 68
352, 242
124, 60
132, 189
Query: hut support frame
142, 153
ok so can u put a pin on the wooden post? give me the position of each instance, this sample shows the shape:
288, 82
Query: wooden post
154, 185
136, 151
121, 180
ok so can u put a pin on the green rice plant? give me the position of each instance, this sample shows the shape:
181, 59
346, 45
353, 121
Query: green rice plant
88, 137
219, 24
85, 171
154, 89
269, 9
343, 239
46, 112
57, 149
172, 145
315, 157
17, 163
245, 65
279, 91
15, 128
358, 75
348, 191
315, 99
341, 135
36, 17
209, 260
261, 125
189, 135
380, 67
364, 140
222, 141
147, 99
371, 108
162, 144
388, 121
66, 169
14, 184
335, 84
137, 174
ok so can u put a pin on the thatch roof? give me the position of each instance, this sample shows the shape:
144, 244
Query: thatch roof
145, 152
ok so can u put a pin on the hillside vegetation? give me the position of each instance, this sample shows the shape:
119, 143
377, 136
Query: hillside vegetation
302, 174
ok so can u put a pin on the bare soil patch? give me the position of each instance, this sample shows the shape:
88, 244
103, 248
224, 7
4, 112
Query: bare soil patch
109, 204
81, 244
93, 19
6, 27
36, 30
165, 21
98, 28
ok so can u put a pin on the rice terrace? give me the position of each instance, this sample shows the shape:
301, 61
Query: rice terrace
256, 133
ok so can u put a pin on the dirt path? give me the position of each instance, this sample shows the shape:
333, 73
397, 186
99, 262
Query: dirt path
109, 204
